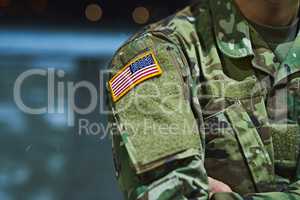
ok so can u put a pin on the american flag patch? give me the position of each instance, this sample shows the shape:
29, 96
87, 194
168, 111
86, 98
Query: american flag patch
141, 68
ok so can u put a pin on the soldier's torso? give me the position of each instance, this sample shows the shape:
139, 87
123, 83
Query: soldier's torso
244, 99
244, 94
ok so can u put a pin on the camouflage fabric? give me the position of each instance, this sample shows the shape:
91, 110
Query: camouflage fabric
224, 107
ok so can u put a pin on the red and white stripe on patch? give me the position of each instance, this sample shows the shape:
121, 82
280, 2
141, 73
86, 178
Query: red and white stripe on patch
141, 68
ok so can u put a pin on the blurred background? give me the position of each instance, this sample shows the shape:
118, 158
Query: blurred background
41, 156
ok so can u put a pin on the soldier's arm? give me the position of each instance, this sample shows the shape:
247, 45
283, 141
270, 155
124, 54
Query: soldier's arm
157, 146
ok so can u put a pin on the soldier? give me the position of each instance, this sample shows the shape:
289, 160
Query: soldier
206, 104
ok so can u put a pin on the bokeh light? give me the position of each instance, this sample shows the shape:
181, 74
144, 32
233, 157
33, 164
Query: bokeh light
141, 15
93, 12
4, 3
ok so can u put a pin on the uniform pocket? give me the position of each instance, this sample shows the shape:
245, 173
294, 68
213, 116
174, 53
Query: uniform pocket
286, 141
235, 152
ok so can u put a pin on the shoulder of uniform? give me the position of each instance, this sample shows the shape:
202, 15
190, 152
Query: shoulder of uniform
181, 23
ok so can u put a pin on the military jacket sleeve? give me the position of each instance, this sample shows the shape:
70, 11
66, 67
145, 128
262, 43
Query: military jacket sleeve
157, 147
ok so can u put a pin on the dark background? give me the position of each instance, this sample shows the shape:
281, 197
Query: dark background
72, 12
42, 158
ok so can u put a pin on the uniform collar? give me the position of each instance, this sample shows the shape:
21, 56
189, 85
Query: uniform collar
231, 29
291, 64
233, 35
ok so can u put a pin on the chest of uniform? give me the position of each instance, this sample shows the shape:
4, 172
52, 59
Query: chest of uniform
251, 131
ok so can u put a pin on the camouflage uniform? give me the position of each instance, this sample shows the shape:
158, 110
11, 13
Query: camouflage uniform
225, 107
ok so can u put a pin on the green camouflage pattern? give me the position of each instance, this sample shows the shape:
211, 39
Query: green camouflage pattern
225, 107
